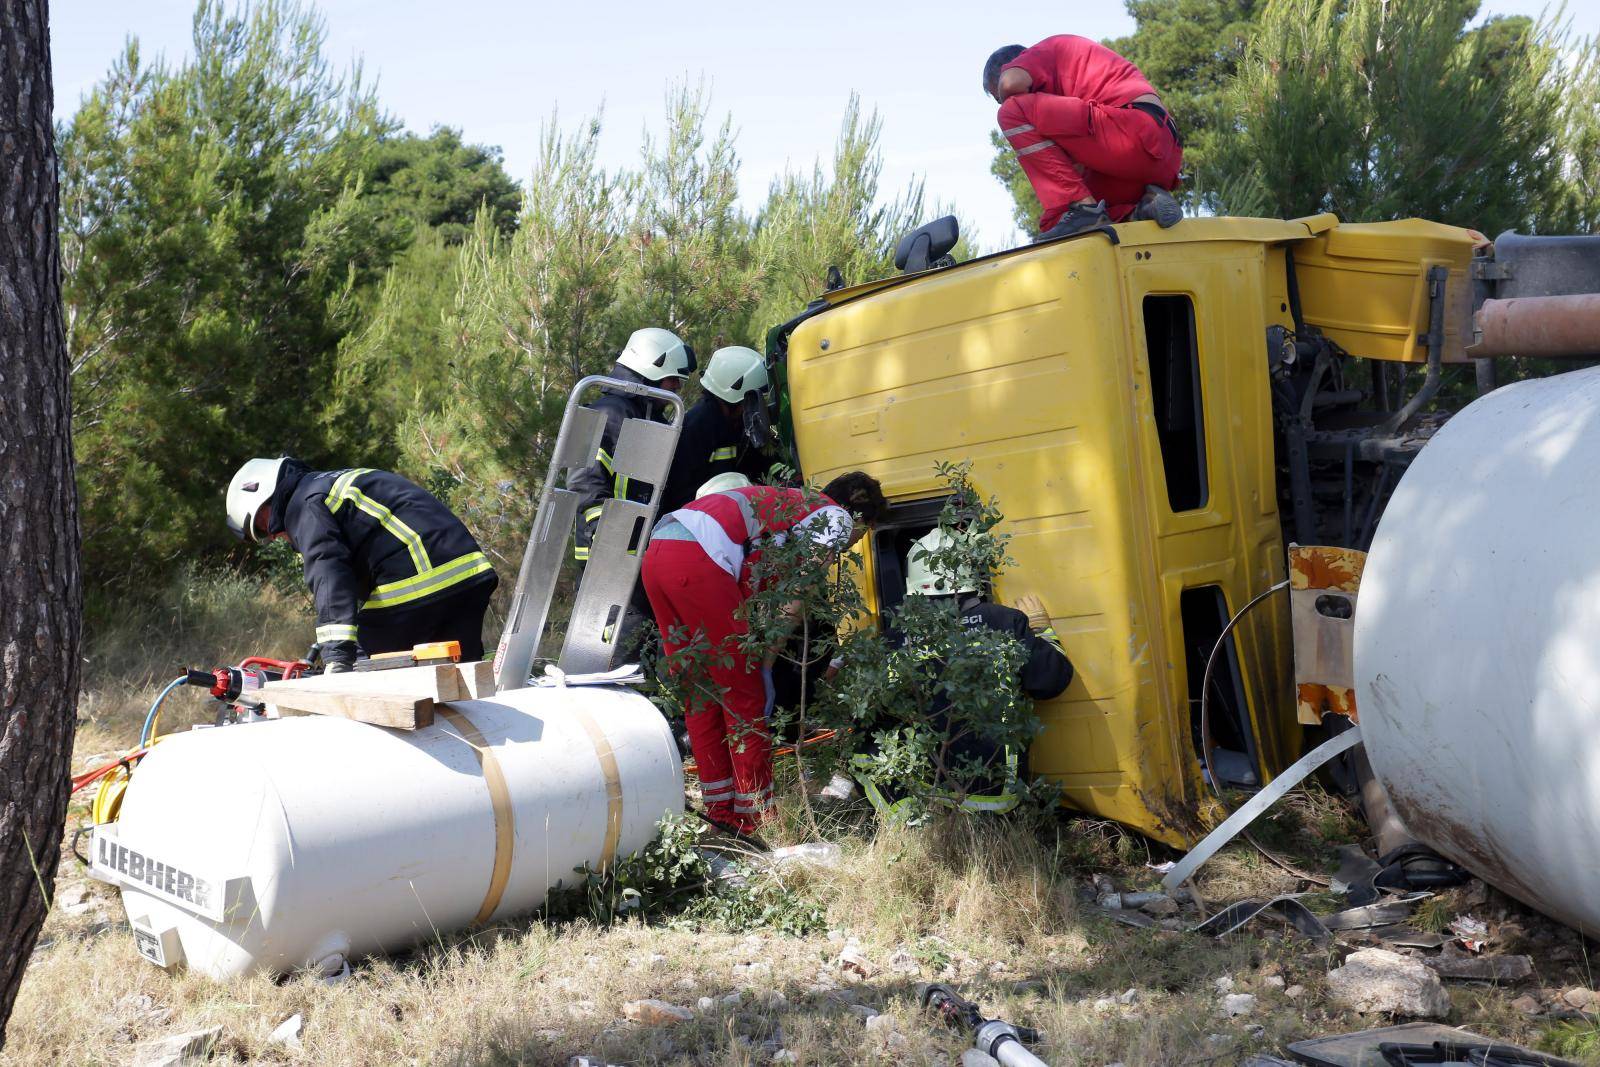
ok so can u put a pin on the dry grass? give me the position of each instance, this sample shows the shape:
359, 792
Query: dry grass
993, 906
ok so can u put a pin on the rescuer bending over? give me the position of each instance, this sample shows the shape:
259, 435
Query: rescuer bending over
696, 576
388, 565
1090, 133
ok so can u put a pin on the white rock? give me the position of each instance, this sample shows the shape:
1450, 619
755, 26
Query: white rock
1223, 985
732, 1000
1105, 1004
1273, 981
1129, 996
1236, 1004
973, 1058
1295, 992
658, 962
706, 1004
862, 1012
193, 1047
880, 1024
783, 1055
288, 1033
1377, 980
685, 984
775, 1000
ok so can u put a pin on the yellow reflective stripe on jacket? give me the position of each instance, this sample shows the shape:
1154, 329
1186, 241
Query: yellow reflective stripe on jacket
593, 513
580, 552
334, 631
393, 526
341, 486
604, 459
1049, 634
428, 582
726, 452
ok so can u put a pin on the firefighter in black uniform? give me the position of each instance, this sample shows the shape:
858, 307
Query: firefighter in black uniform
1046, 673
724, 432
653, 357
388, 565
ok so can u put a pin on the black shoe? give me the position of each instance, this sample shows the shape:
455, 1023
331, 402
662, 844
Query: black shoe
732, 834
1081, 218
1158, 205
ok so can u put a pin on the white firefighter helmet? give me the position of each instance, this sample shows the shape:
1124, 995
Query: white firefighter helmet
721, 483
654, 354
733, 372
250, 489
923, 579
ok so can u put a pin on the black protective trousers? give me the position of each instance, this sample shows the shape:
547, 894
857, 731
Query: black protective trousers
455, 616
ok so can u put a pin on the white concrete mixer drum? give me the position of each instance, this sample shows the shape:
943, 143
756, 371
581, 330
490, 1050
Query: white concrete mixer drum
1477, 644
303, 841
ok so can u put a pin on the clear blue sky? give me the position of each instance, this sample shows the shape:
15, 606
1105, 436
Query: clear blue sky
496, 69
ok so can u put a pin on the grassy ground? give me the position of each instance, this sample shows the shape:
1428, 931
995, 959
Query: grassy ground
996, 907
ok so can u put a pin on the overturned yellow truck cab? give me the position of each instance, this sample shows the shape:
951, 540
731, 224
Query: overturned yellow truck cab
1154, 416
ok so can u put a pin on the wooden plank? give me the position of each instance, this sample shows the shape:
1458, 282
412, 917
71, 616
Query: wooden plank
477, 679
400, 711
439, 683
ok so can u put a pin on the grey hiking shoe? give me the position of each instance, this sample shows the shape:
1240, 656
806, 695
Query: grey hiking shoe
1158, 205
1081, 218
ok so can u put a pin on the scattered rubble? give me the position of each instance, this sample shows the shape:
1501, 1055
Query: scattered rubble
1482, 968
1527, 1004
192, 1047
655, 1013
1237, 1004
287, 1033
1377, 980
853, 961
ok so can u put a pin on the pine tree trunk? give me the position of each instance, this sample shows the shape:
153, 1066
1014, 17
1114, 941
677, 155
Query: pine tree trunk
40, 597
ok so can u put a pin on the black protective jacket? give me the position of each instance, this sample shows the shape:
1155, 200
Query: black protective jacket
371, 541
1048, 672
597, 482
710, 444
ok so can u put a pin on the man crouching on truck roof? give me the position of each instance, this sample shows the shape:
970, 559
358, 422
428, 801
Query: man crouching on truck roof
1090, 133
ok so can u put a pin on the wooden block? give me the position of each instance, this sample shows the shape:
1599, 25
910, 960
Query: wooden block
477, 679
400, 711
439, 683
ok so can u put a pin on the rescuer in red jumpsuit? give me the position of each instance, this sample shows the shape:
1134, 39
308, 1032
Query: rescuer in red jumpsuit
696, 575
1090, 133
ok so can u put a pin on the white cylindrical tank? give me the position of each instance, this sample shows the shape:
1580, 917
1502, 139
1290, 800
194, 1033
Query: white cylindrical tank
312, 839
1477, 644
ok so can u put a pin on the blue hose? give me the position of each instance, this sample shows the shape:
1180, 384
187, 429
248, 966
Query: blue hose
150, 719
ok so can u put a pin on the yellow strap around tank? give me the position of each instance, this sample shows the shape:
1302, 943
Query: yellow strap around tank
499, 799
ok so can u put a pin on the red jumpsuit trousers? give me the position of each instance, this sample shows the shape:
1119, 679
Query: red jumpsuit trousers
1073, 149
694, 599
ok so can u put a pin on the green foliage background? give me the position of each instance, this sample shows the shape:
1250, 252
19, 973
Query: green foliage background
257, 259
